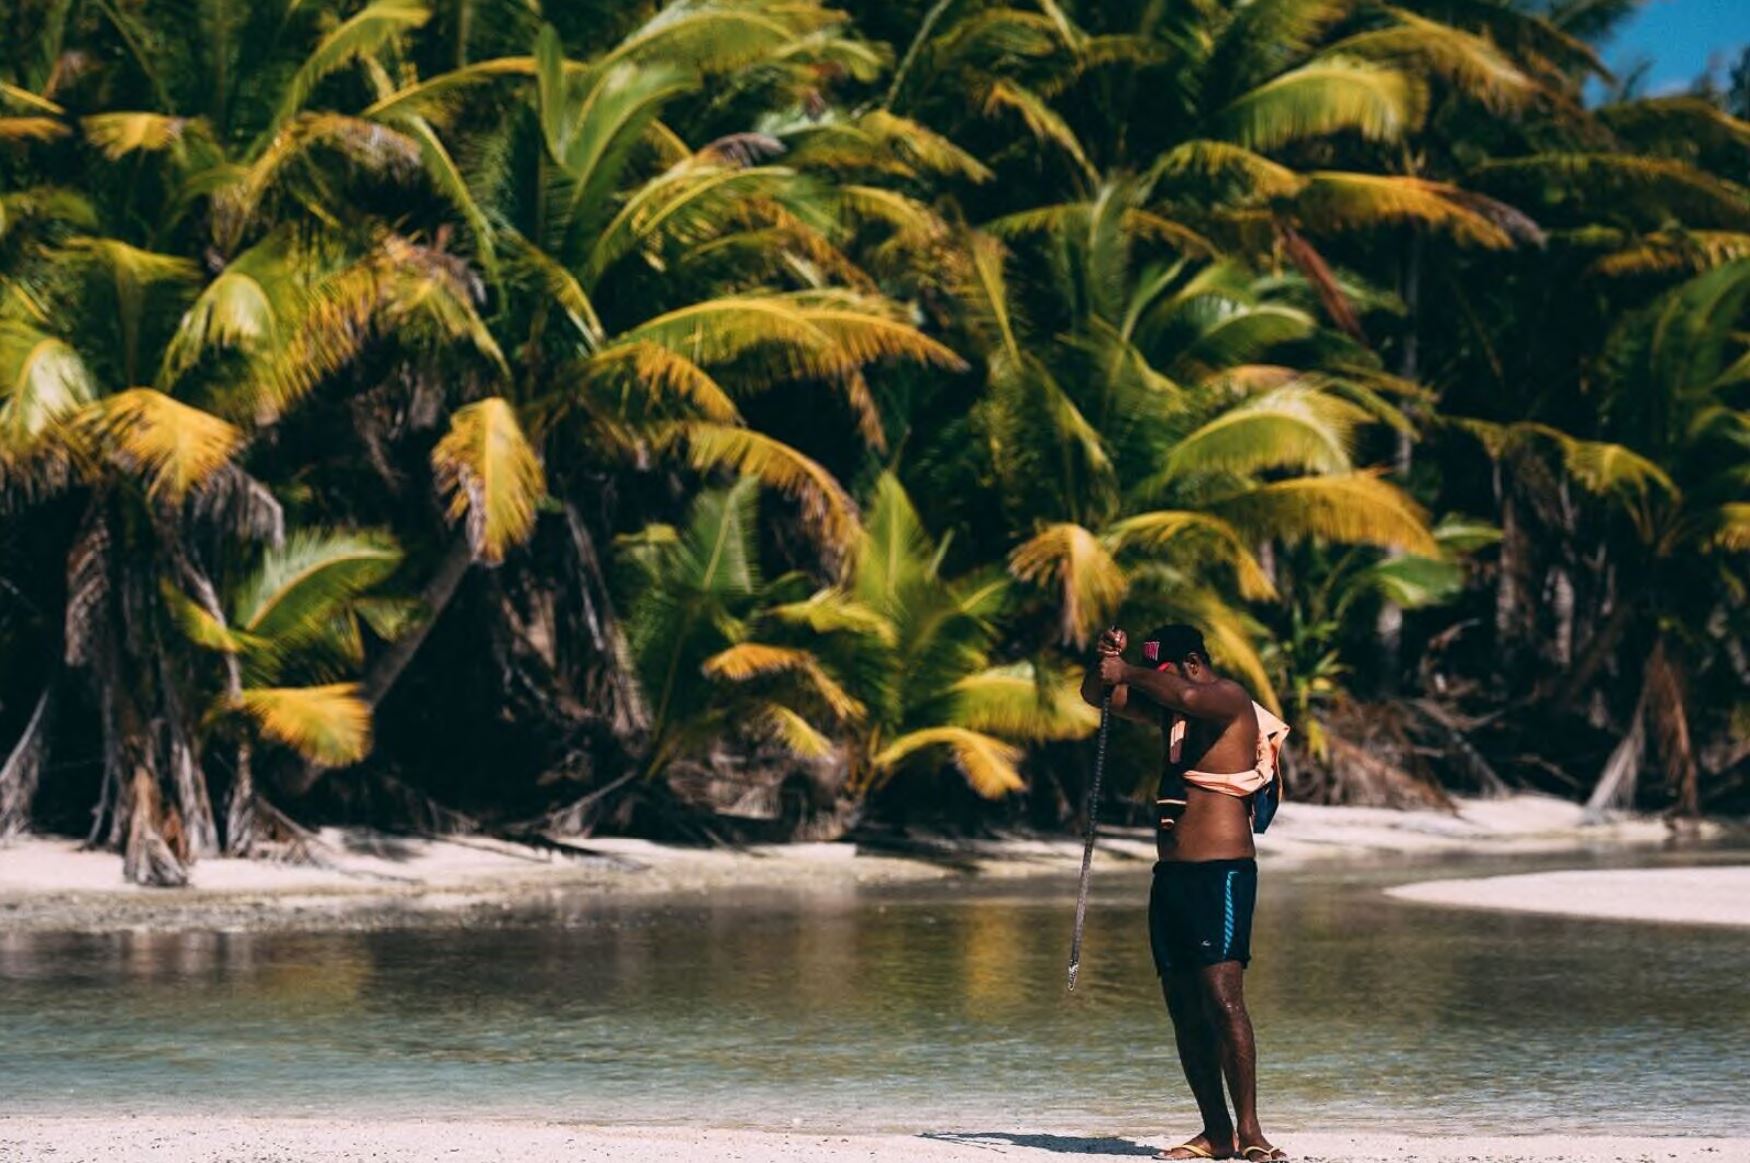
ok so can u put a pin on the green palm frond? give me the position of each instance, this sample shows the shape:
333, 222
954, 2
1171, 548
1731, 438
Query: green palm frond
691, 203
1675, 123
325, 724
491, 475
173, 447
1296, 426
1326, 96
1652, 188
1012, 702
367, 31
43, 384
989, 765
300, 585
1352, 508
1088, 584
721, 36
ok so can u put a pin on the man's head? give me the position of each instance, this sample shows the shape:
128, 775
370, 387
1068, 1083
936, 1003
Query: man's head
1178, 649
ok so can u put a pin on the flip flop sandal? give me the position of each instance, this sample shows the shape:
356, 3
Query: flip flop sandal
1257, 1154
1197, 1152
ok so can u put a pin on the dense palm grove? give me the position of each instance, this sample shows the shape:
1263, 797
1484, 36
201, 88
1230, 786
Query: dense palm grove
738, 417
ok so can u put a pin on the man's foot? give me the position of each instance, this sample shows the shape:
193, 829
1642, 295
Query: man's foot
1204, 1146
1259, 1151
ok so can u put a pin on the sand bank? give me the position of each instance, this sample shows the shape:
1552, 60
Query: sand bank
211, 1140
1691, 896
369, 880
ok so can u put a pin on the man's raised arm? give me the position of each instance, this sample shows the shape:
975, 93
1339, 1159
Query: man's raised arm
1112, 645
1200, 700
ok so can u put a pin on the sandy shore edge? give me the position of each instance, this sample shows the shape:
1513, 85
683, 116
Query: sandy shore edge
370, 880
123, 1139
1686, 896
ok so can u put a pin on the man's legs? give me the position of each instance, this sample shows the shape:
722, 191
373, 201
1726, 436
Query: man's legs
1224, 999
1198, 1054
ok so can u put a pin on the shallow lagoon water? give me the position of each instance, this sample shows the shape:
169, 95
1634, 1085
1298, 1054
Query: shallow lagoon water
932, 1008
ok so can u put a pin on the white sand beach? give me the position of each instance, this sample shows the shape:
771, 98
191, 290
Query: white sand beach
1691, 896
224, 1140
367, 879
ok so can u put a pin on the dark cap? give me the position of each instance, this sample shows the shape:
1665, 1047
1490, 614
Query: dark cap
1173, 644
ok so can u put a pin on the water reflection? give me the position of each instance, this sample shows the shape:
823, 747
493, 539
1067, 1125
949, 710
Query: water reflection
937, 1009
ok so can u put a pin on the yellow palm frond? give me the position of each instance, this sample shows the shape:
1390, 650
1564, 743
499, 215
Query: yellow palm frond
14, 95
747, 660
665, 374
366, 31
492, 477
1010, 702
1197, 535
1471, 64
1326, 96
174, 447
989, 765
119, 134
1089, 584
1666, 251
1225, 162
326, 724
1356, 508
827, 510
926, 150
1041, 120
20, 129
1350, 201
1731, 530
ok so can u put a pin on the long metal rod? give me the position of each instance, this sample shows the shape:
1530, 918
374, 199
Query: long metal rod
1075, 947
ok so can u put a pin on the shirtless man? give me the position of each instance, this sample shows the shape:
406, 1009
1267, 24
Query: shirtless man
1205, 877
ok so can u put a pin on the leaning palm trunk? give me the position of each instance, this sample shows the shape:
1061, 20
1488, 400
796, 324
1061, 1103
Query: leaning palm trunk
23, 769
1616, 784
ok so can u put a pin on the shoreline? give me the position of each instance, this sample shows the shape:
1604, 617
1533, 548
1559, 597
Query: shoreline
370, 880
124, 1139
1674, 896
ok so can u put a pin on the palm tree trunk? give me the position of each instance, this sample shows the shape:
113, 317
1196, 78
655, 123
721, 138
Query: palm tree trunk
1616, 783
24, 766
631, 716
1389, 628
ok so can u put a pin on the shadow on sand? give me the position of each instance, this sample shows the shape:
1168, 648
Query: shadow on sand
1062, 1144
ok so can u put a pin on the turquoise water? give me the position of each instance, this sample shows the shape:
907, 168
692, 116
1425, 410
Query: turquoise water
930, 1009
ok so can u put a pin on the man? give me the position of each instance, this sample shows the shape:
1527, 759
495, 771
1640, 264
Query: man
1205, 877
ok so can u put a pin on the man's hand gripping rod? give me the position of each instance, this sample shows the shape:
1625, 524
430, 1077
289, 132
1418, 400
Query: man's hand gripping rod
1075, 947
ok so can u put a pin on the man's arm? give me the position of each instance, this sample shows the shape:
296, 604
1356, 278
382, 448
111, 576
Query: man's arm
1121, 704
1221, 701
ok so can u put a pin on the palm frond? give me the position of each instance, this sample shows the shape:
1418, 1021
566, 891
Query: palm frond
1471, 64
118, 134
665, 374
827, 510
1352, 508
794, 733
1326, 96
1667, 251
989, 765
1295, 427
749, 660
15, 130
1654, 188
1193, 536
329, 724
1071, 561
1017, 702
172, 446
1041, 120
299, 586
366, 31
493, 479
1252, 175
1351, 201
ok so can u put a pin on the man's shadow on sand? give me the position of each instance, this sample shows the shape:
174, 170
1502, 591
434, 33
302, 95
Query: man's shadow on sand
1062, 1144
